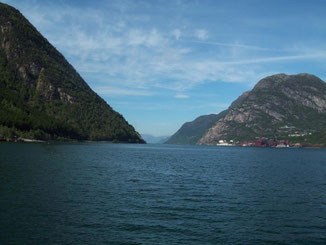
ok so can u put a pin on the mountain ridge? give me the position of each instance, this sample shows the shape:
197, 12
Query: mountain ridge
190, 132
281, 106
276, 102
43, 97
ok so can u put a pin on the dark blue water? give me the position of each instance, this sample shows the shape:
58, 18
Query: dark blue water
147, 194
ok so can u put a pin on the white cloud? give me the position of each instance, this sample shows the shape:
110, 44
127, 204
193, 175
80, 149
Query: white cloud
136, 37
117, 91
236, 45
177, 34
201, 34
147, 38
181, 96
132, 57
319, 55
155, 39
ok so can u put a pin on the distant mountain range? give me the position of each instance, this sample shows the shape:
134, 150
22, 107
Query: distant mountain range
41, 94
155, 139
287, 107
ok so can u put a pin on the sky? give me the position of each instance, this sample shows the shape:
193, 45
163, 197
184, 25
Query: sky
162, 63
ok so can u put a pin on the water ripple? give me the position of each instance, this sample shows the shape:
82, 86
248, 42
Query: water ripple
139, 194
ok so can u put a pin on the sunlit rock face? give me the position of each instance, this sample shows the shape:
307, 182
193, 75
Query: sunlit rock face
276, 107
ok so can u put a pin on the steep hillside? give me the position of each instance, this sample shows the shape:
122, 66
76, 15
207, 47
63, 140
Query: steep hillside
41, 94
191, 132
291, 107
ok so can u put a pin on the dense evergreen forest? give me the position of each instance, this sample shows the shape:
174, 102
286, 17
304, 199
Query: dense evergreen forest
41, 94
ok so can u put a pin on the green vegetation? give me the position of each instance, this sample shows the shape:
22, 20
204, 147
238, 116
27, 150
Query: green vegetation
280, 107
41, 94
191, 132
300, 102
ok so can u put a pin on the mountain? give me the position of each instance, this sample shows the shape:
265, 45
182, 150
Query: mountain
279, 107
41, 94
155, 139
191, 132
287, 107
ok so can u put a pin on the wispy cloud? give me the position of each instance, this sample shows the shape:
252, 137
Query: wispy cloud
235, 45
137, 37
176, 33
320, 55
201, 34
181, 96
117, 91
128, 51
179, 107
142, 54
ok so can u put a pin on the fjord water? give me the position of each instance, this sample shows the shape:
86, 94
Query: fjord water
100, 193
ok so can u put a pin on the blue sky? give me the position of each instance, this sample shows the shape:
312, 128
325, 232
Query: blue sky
162, 63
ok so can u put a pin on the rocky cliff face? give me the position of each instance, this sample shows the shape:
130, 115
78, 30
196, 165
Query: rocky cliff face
279, 106
42, 95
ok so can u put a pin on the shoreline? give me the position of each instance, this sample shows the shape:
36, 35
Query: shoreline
26, 140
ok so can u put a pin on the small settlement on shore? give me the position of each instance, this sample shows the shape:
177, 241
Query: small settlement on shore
262, 142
